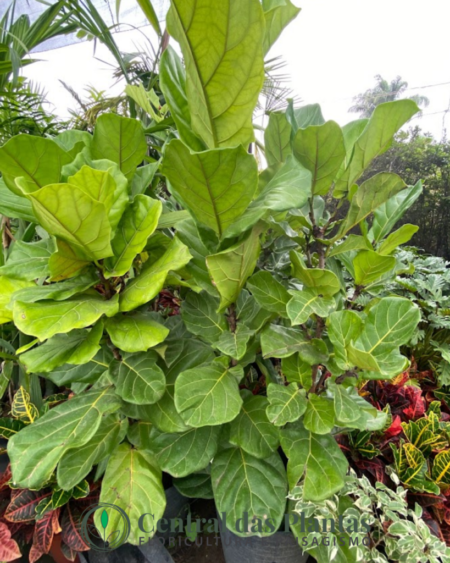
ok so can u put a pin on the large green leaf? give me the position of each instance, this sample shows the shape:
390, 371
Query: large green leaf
36, 450
56, 291
7, 288
46, 318
343, 328
136, 332
319, 415
137, 223
390, 323
231, 268
121, 140
369, 266
64, 263
281, 342
277, 138
133, 483
296, 370
305, 116
35, 159
397, 238
172, 76
138, 378
224, 67
370, 194
306, 303
324, 282
392, 210
278, 14
286, 404
252, 430
199, 312
320, 149
244, 484
269, 293
315, 458
76, 348
151, 280
209, 395
234, 344
67, 374
216, 186
196, 485
183, 454
28, 260
75, 465
68, 213
12, 205
376, 138
289, 189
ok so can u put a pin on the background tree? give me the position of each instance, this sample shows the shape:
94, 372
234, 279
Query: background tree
384, 91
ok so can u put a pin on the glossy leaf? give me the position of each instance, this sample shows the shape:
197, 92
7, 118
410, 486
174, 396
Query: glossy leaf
36, 450
277, 137
15, 206
208, 395
305, 303
7, 288
28, 260
269, 293
64, 263
343, 328
277, 15
22, 408
319, 415
323, 282
199, 313
370, 266
234, 344
9, 549
224, 68
286, 404
136, 332
56, 291
397, 238
216, 186
296, 370
133, 483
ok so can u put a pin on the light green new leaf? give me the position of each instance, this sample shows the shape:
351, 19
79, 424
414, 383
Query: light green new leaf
64, 263
68, 213
12, 205
46, 318
234, 344
389, 324
137, 223
138, 378
121, 140
370, 194
321, 150
143, 178
289, 189
183, 454
199, 313
390, 212
76, 348
133, 483
397, 238
73, 141
306, 303
224, 67
172, 76
252, 430
56, 291
136, 332
28, 260
352, 242
216, 186
369, 266
278, 15
277, 138
296, 370
269, 293
343, 328
209, 395
376, 138
151, 280
97, 184
244, 484
305, 116
315, 458
231, 268
147, 7
319, 416
286, 403
38, 161
75, 465
324, 282
36, 450
7, 288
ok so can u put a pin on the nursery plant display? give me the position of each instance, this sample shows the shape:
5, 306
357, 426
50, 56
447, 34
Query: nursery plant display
284, 308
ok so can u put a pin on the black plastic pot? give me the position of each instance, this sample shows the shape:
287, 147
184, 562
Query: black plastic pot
279, 548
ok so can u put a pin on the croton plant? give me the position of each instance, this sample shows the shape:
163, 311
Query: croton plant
270, 266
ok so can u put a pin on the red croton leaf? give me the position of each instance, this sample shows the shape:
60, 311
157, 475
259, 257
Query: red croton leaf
416, 407
70, 528
5, 477
44, 531
374, 467
395, 428
9, 550
22, 507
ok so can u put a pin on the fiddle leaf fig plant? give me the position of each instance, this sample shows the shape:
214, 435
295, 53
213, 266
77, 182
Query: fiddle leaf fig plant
272, 343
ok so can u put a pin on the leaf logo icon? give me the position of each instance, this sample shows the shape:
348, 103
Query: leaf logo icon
104, 519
